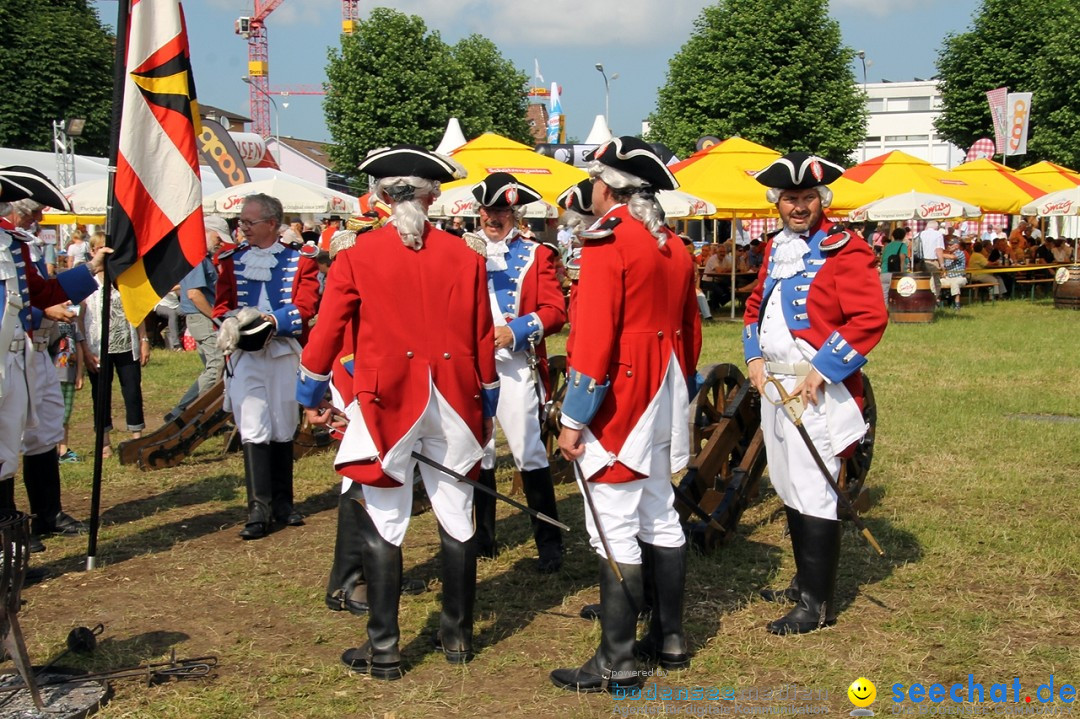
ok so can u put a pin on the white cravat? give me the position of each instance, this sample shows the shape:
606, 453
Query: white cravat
496, 252
788, 251
258, 262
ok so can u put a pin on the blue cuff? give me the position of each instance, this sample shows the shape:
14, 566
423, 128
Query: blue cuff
584, 395
490, 396
310, 387
524, 328
78, 283
289, 321
35, 318
836, 359
751, 343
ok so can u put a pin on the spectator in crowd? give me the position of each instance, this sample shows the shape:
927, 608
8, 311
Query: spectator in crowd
332, 226
1061, 251
954, 263
757, 254
894, 257
1018, 238
457, 226
66, 344
197, 293
169, 310
980, 260
128, 348
716, 280
1044, 253
932, 243
78, 250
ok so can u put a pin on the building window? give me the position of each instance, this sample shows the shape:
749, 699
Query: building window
908, 104
907, 138
876, 104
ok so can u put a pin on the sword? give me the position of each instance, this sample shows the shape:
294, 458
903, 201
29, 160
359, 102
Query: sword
534, 367
793, 408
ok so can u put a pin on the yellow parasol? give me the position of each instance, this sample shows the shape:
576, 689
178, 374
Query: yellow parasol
995, 187
494, 153
1050, 177
724, 175
891, 174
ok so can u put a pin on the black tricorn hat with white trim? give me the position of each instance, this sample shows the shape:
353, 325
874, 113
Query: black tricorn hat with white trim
635, 157
411, 161
501, 189
799, 171
577, 197
26, 183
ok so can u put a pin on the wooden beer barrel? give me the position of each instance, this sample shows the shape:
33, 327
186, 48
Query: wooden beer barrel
1067, 288
911, 298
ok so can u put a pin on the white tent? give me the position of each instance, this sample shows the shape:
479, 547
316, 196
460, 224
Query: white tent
297, 196
452, 139
600, 132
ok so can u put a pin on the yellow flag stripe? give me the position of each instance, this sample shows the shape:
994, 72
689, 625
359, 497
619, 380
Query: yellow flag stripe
136, 293
175, 84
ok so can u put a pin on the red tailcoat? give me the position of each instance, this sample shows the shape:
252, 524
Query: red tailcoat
843, 306
635, 305
417, 314
294, 299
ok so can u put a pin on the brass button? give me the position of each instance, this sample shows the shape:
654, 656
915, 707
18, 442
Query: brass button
629, 373
446, 355
678, 333
660, 334
377, 400
409, 354
476, 396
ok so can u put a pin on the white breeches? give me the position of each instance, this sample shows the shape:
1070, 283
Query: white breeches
792, 470
49, 406
518, 415
14, 402
261, 395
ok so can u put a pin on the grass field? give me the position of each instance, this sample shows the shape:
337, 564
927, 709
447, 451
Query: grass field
975, 502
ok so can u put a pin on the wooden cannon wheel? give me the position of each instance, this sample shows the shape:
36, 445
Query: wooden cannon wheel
727, 456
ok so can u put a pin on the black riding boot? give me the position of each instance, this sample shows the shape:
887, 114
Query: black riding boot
816, 544
540, 495
379, 656
665, 642
41, 477
346, 589
281, 501
258, 476
789, 595
459, 596
484, 516
613, 665
7, 493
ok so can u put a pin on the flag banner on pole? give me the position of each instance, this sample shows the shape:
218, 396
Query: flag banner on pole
1019, 117
156, 220
998, 99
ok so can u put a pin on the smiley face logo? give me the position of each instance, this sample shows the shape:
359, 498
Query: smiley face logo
862, 692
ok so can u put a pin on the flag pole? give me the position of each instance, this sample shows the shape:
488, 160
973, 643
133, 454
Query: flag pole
104, 395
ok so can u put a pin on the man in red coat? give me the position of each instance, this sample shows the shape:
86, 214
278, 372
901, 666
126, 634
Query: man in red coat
424, 380
633, 345
816, 312
527, 305
275, 288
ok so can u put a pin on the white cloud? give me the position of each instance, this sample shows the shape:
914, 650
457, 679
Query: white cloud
559, 22
880, 8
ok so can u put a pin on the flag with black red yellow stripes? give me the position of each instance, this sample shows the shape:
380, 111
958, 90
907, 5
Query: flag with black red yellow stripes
156, 222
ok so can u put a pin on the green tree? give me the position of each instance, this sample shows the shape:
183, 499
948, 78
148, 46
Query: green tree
393, 81
1000, 50
772, 71
56, 60
1056, 104
492, 97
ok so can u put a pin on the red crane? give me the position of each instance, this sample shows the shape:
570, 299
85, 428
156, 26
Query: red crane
253, 29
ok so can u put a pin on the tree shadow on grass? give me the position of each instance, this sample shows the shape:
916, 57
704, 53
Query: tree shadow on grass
217, 488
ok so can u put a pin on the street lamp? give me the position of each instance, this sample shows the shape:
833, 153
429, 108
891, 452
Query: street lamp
277, 115
607, 92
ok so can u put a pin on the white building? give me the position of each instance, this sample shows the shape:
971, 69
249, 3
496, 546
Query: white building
902, 117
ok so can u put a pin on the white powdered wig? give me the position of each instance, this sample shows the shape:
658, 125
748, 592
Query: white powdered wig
406, 196
576, 221
772, 195
640, 200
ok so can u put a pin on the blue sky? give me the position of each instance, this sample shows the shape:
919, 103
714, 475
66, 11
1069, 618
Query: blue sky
634, 38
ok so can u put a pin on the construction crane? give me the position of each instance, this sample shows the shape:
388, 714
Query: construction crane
253, 29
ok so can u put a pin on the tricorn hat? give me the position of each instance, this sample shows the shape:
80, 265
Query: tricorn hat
635, 157
799, 171
255, 334
26, 183
501, 189
411, 161
577, 197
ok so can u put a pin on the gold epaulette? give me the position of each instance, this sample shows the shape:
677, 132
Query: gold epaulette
476, 243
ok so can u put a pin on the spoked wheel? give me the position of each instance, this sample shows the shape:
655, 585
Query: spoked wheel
561, 471
728, 457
